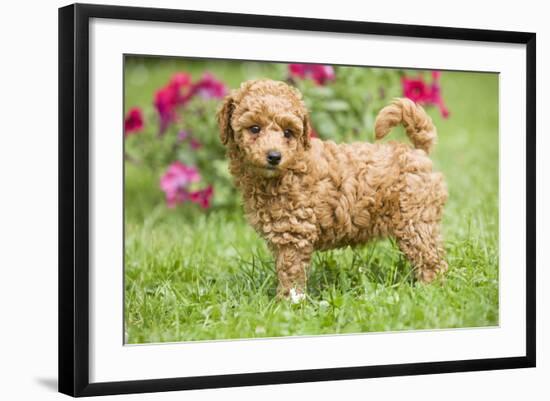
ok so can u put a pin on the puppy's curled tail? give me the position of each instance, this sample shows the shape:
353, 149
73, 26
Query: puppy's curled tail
417, 123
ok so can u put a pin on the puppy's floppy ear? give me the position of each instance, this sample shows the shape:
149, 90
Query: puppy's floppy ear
306, 141
224, 119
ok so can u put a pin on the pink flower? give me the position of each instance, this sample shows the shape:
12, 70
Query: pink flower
180, 90
415, 89
317, 72
180, 79
177, 92
133, 121
421, 92
165, 104
176, 180
203, 197
209, 87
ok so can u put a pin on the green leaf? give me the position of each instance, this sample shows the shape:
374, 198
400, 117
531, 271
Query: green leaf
336, 105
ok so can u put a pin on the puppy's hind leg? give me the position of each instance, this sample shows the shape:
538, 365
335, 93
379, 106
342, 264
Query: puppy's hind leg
422, 244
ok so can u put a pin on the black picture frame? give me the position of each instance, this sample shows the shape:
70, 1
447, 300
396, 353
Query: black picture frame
74, 194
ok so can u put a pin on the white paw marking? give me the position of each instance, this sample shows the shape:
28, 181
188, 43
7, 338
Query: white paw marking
296, 297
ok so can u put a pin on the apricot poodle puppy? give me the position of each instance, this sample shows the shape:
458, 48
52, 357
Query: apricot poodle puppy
302, 194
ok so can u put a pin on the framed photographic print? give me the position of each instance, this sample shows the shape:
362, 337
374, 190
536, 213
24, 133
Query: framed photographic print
251, 199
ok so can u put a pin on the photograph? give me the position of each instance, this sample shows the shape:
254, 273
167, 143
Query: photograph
251, 199
277, 199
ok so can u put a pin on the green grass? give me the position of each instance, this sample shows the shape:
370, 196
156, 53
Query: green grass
201, 276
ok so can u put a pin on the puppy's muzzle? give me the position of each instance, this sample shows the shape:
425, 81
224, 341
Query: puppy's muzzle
273, 157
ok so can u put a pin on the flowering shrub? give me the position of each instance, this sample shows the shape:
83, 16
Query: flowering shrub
180, 140
178, 136
343, 101
179, 91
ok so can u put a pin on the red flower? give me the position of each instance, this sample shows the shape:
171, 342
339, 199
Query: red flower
203, 197
416, 89
209, 88
165, 104
436, 75
176, 180
133, 121
180, 79
177, 92
419, 91
317, 72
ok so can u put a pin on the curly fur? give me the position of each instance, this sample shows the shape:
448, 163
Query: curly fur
324, 195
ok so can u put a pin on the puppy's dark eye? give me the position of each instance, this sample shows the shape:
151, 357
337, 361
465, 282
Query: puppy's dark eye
255, 129
288, 133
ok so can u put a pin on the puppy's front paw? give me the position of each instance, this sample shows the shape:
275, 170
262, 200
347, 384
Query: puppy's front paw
296, 296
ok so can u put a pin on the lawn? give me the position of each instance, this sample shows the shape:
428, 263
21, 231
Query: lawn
194, 275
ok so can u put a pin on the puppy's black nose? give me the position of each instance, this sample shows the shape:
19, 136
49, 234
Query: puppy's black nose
273, 157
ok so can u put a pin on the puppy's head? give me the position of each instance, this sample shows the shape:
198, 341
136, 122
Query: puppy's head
267, 123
